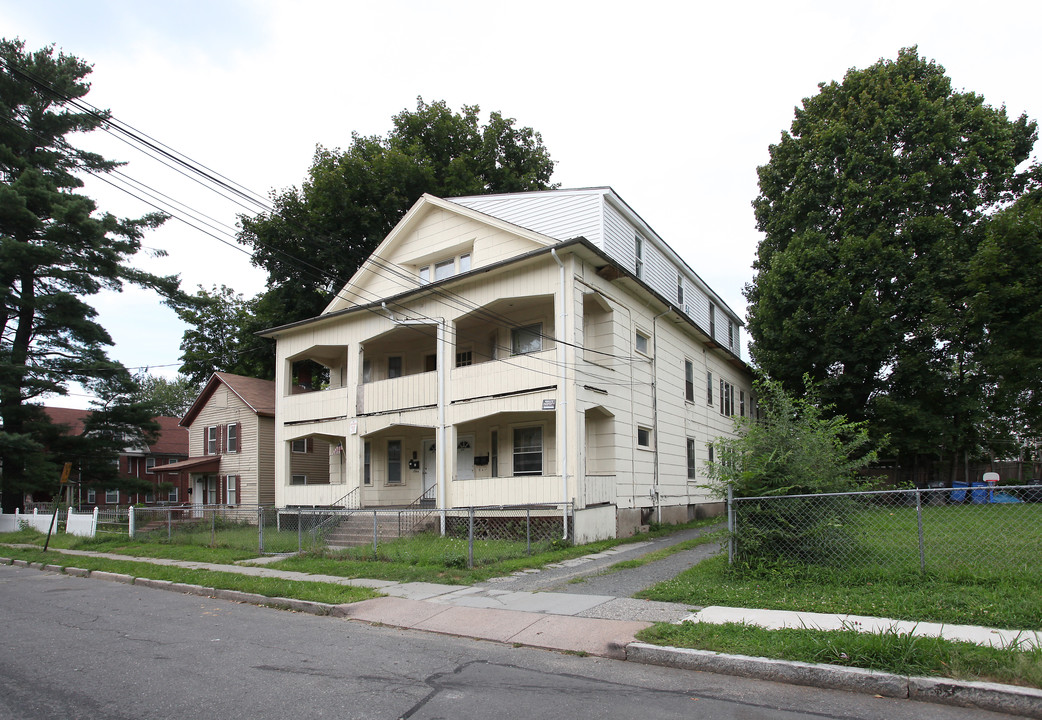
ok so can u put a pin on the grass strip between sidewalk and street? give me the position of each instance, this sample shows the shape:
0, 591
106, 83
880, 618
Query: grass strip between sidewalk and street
887, 651
269, 587
1000, 600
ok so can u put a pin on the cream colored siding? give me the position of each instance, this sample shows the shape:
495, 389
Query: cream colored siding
256, 478
597, 407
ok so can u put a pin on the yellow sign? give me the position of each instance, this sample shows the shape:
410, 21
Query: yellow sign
65, 472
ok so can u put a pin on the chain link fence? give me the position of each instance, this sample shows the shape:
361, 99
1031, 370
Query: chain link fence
979, 530
230, 526
458, 537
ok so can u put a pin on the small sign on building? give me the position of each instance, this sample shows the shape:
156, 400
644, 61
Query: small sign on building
549, 404
353, 428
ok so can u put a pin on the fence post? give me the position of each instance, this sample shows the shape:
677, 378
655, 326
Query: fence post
300, 531
169, 524
130, 522
919, 517
730, 525
470, 540
375, 531
260, 530
213, 527
528, 529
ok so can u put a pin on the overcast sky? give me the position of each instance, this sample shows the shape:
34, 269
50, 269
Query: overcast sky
673, 105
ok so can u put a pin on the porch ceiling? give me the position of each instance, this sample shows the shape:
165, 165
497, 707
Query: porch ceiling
397, 429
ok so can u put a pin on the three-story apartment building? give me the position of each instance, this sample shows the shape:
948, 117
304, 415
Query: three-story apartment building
543, 347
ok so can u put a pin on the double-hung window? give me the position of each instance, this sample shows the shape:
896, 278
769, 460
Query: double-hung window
211, 440
367, 464
232, 440
691, 475
231, 485
689, 381
394, 462
709, 388
638, 251
527, 339
528, 451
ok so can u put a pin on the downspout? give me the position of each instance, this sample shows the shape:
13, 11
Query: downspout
443, 455
562, 394
654, 411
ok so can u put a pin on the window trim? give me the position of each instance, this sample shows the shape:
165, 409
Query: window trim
92, 496
390, 479
293, 479
231, 438
647, 432
709, 388
638, 252
638, 335
293, 446
211, 440
109, 493
514, 451
367, 463
231, 489
680, 290
689, 381
172, 494
692, 470
515, 346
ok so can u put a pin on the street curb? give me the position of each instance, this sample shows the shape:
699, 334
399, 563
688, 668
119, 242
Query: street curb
1010, 699
1026, 702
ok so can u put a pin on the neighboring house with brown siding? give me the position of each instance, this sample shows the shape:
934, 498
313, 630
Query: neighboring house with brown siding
231, 438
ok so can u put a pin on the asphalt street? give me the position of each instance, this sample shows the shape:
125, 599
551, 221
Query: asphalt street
83, 648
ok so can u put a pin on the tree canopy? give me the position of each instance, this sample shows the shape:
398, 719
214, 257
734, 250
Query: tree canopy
166, 397
872, 208
56, 250
317, 235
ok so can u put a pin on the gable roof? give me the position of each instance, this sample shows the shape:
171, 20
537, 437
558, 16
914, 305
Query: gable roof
172, 440
353, 292
72, 418
257, 394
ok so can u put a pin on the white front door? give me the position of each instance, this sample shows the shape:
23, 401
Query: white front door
199, 496
429, 467
465, 457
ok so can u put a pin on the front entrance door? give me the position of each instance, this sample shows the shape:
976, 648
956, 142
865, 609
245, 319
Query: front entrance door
199, 496
430, 468
465, 457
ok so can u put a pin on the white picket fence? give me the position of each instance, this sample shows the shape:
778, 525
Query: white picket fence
82, 524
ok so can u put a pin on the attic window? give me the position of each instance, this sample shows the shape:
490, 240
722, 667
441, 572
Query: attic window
446, 268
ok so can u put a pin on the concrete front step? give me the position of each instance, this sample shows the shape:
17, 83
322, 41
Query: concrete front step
357, 530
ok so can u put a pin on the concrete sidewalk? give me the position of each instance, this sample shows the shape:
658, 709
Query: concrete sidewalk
603, 625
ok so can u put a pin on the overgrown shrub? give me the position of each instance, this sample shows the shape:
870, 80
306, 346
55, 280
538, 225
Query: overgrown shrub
794, 447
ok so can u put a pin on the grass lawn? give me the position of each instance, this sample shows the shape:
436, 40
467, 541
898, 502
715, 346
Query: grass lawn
269, 587
889, 651
982, 568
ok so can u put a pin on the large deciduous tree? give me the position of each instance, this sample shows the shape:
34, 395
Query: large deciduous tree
55, 250
220, 337
319, 234
872, 208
